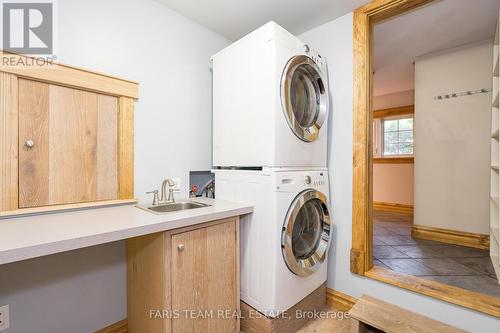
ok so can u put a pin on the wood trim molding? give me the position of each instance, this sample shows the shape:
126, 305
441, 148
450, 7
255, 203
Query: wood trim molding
339, 300
119, 327
393, 112
379, 10
466, 298
394, 160
362, 148
125, 148
468, 239
50, 72
9, 128
393, 207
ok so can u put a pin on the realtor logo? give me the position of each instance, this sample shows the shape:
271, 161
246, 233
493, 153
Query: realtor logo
28, 27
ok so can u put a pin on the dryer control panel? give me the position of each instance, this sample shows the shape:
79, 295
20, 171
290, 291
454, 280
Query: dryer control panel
295, 181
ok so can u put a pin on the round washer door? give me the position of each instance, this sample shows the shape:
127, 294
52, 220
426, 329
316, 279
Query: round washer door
304, 97
306, 233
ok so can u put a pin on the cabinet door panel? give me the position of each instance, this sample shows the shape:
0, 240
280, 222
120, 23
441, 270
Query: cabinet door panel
72, 145
204, 278
75, 137
34, 126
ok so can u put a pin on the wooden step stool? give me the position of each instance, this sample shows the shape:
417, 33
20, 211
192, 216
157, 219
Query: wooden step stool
372, 315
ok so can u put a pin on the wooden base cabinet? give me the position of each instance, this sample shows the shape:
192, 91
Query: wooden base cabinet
185, 280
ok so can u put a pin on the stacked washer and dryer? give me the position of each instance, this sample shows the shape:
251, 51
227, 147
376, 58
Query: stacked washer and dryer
270, 109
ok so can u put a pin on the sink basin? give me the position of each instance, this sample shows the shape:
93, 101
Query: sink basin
175, 206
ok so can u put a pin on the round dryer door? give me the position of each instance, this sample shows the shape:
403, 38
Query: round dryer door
304, 97
306, 233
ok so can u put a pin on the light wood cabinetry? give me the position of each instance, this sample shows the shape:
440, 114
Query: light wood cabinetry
495, 153
66, 137
74, 152
185, 280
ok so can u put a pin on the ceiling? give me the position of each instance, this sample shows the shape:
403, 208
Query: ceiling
442, 25
235, 18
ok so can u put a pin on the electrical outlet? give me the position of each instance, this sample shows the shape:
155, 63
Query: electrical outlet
4, 317
177, 187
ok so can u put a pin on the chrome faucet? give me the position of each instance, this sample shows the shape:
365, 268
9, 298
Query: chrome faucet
155, 197
171, 185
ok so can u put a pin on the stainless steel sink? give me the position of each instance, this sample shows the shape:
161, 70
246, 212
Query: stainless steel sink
174, 207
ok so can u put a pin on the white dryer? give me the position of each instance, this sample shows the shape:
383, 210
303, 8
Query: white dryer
284, 242
270, 102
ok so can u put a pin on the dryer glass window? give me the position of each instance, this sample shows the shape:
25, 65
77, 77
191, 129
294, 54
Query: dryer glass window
307, 230
304, 94
304, 97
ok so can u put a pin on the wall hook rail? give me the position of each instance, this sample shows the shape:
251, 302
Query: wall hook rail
463, 93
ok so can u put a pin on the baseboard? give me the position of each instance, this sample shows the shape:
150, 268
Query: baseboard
119, 327
339, 301
393, 207
469, 239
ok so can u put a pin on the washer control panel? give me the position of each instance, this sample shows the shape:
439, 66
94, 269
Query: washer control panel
300, 180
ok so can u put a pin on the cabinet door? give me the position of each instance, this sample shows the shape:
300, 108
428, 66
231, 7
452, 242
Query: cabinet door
67, 145
205, 279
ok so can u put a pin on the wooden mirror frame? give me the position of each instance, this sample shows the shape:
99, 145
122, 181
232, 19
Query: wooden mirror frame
362, 201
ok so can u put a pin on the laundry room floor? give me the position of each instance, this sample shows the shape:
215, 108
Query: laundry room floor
327, 325
460, 266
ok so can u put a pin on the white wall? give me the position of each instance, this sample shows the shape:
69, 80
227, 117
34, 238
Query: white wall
452, 139
334, 41
169, 56
79, 291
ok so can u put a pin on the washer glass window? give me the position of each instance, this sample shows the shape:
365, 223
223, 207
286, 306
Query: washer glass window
304, 98
306, 233
307, 230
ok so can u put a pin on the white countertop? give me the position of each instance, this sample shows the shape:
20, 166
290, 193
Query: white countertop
34, 236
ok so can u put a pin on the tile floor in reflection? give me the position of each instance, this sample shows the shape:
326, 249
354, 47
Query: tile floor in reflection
395, 249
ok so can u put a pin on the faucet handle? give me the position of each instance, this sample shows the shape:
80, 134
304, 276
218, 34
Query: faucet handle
155, 196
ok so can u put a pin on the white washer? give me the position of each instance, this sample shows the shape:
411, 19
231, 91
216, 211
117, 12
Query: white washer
270, 102
284, 243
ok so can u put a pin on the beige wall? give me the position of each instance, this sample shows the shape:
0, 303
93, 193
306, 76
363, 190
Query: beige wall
452, 140
394, 100
392, 183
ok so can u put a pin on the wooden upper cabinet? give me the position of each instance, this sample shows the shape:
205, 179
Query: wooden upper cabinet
64, 144
67, 145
